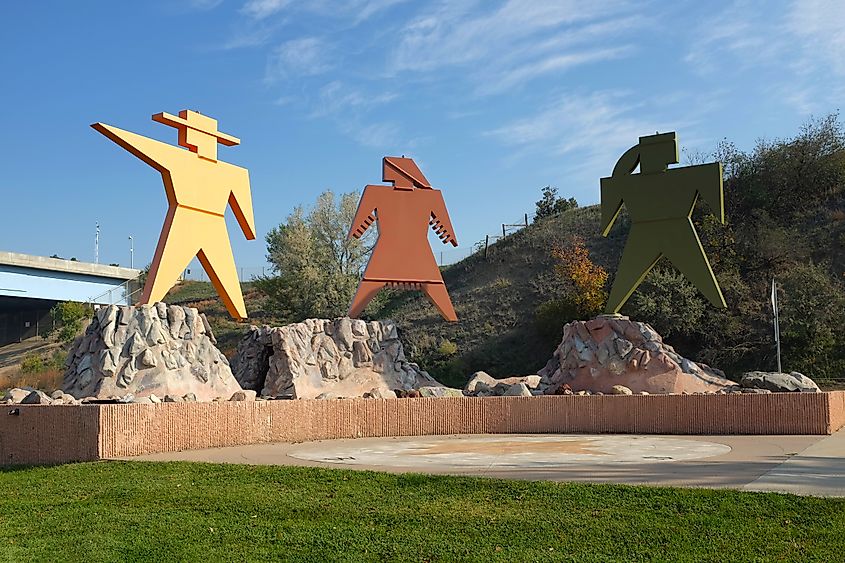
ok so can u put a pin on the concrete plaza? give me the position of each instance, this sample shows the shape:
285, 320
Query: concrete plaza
805, 465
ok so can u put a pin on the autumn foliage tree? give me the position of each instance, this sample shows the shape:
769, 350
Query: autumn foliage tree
584, 280
581, 290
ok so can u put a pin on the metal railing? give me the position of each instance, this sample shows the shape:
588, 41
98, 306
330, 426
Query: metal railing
126, 298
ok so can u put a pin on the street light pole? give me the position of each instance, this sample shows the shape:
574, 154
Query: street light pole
97, 245
777, 321
131, 252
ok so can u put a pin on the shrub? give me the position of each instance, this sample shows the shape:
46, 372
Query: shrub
68, 316
447, 348
32, 363
584, 280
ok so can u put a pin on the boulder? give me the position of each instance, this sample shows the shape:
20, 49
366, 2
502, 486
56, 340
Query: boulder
483, 384
778, 382
377, 393
622, 390
37, 398
326, 358
145, 350
430, 391
17, 394
245, 395
518, 390
613, 350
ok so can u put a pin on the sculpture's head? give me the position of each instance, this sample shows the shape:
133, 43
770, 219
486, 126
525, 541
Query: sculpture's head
197, 133
403, 173
657, 152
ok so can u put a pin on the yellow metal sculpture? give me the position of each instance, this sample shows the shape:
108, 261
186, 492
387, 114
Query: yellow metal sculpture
198, 188
660, 203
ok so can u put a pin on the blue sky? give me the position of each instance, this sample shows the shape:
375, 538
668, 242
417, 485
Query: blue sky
494, 99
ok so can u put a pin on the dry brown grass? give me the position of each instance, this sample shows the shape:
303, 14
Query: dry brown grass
48, 380
837, 214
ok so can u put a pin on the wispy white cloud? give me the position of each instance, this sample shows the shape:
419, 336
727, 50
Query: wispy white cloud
377, 135
521, 74
204, 4
592, 130
820, 27
306, 56
515, 42
355, 10
350, 109
260, 9
337, 98
796, 45
462, 32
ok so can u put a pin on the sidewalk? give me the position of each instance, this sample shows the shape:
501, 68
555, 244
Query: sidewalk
805, 465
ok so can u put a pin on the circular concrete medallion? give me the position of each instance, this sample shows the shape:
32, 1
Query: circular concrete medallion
506, 451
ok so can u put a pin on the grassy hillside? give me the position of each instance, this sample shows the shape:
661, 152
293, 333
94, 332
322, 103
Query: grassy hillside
227, 330
496, 300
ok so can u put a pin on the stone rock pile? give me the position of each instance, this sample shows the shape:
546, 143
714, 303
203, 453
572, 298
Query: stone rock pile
136, 352
613, 350
321, 358
482, 384
778, 382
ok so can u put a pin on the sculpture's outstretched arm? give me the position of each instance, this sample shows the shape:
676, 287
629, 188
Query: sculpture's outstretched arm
440, 221
240, 200
365, 216
611, 192
611, 204
712, 190
155, 153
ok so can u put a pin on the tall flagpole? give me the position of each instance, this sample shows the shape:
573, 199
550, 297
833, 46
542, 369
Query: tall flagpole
97, 245
777, 321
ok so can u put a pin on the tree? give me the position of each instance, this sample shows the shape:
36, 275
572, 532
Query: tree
316, 268
579, 285
585, 281
550, 204
68, 316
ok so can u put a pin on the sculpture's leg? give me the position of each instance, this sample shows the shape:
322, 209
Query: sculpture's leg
176, 247
366, 291
217, 260
642, 251
689, 257
437, 294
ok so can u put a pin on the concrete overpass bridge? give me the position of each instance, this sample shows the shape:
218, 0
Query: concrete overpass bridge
31, 285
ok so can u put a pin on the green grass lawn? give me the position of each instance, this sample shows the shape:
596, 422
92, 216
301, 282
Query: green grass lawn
128, 511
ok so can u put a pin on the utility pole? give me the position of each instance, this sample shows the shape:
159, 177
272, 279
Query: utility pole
777, 321
97, 245
131, 252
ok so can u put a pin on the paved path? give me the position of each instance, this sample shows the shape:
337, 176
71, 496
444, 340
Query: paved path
807, 465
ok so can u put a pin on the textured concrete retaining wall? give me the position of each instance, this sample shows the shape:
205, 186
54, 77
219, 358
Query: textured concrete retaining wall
43, 434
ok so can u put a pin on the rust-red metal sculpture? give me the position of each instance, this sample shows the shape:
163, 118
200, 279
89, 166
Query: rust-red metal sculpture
402, 257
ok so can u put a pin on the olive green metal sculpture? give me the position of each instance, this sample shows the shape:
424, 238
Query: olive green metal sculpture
660, 202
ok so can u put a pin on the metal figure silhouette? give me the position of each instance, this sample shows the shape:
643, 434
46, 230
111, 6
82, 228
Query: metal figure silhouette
199, 187
402, 257
660, 203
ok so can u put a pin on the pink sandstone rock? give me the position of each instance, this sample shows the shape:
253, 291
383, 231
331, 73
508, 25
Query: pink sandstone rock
613, 350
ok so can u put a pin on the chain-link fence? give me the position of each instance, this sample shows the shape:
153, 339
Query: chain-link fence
195, 272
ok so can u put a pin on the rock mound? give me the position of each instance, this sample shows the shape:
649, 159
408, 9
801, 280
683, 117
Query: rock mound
148, 350
612, 350
327, 358
482, 384
778, 382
